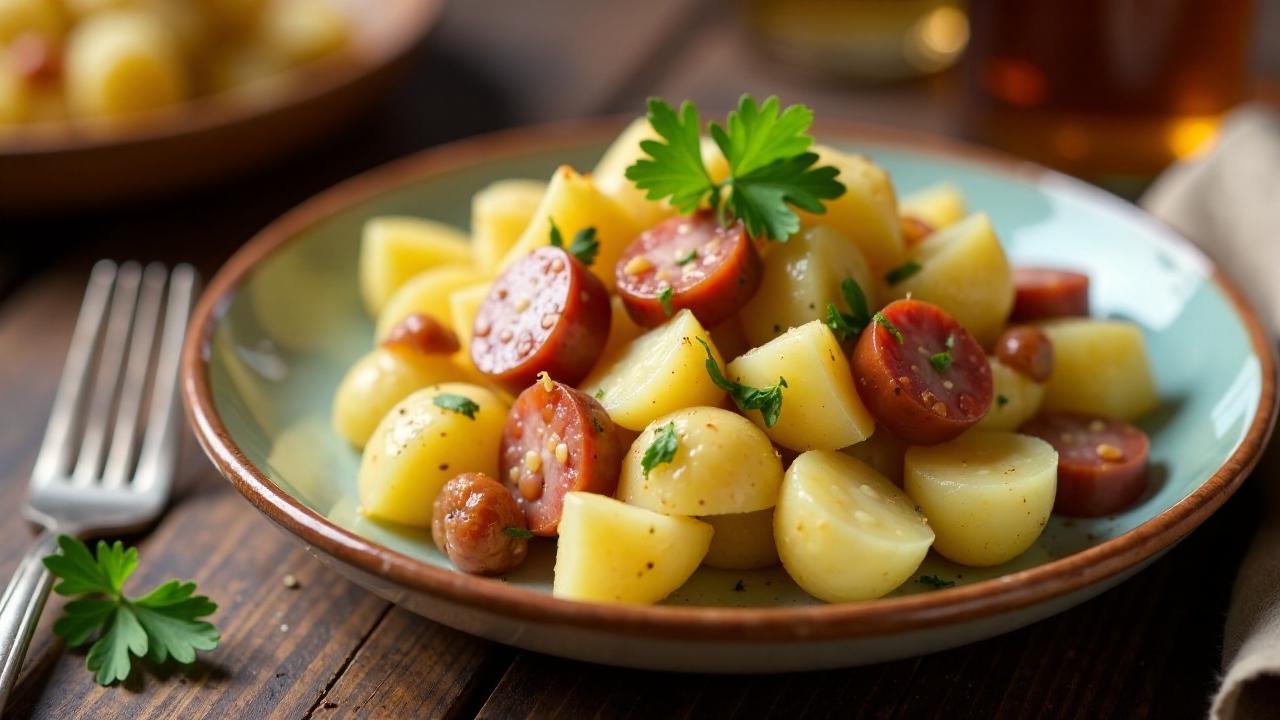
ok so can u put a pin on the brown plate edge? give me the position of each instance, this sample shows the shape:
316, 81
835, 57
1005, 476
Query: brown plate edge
826, 622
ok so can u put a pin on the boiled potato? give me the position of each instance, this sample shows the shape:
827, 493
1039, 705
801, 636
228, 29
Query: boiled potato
379, 380
18, 17
622, 330
722, 465
394, 249
882, 451
609, 551
427, 293
866, 213
742, 542
499, 214
821, 409
938, 205
987, 494
658, 373
844, 532
610, 175
15, 93
1017, 398
419, 446
464, 305
964, 271
713, 160
576, 203
304, 30
1100, 367
247, 68
801, 277
122, 62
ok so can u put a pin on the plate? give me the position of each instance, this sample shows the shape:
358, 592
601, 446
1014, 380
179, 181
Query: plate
281, 323
63, 167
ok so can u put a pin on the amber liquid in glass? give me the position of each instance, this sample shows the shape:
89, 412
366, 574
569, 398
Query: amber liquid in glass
1105, 89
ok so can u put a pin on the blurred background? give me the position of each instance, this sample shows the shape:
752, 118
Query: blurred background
177, 128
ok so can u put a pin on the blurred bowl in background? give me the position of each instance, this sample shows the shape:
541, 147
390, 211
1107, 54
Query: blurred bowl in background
82, 164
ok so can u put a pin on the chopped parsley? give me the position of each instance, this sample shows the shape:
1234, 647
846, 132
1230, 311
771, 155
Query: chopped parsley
767, 400
940, 361
595, 421
902, 272
888, 325
770, 166
687, 257
584, 245
664, 298
517, 533
1001, 401
662, 449
456, 403
599, 393
934, 581
849, 325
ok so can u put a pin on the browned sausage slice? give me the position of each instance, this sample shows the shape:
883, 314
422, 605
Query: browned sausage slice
422, 334
1026, 350
1044, 293
477, 523
921, 374
556, 440
693, 262
1102, 463
546, 313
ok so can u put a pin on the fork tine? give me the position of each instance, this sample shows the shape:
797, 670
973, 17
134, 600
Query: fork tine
159, 455
125, 433
55, 450
107, 381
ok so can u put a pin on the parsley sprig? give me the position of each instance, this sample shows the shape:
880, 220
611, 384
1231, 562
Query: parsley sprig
768, 400
849, 325
460, 404
165, 623
662, 449
584, 245
770, 166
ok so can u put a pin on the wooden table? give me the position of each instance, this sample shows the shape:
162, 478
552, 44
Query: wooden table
1149, 648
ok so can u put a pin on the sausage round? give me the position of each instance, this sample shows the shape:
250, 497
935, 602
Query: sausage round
424, 334
479, 526
1102, 463
710, 269
921, 374
546, 313
1026, 350
1044, 293
556, 440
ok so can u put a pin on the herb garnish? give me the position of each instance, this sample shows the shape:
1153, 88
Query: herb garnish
687, 257
849, 325
662, 449
599, 393
1001, 401
940, 361
902, 272
664, 299
770, 168
595, 422
456, 403
888, 325
164, 623
517, 533
934, 581
584, 245
767, 400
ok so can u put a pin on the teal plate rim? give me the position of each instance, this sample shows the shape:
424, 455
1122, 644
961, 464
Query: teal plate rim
1006, 593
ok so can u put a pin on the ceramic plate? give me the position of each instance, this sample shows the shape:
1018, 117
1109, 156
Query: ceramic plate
281, 323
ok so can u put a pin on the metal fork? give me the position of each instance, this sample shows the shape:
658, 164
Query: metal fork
103, 468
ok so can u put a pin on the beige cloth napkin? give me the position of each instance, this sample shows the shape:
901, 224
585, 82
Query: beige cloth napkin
1228, 202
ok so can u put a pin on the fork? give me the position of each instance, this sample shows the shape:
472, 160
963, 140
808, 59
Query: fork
100, 469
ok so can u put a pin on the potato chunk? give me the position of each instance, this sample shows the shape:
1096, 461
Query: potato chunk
867, 212
1017, 398
722, 465
1100, 367
19, 17
801, 278
394, 249
609, 551
464, 304
378, 381
122, 62
499, 214
658, 373
882, 451
938, 205
304, 30
15, 93
418, 446
844, 532
987, 494
575, 203
610, 175
742, 542
821, 409
427, 293
965, 272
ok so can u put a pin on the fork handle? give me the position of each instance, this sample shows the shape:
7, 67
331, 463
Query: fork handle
20, 609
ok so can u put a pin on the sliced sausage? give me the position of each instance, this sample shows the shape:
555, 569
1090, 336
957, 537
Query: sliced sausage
546, 313
921, 374
914, 230
696, 262
1027, 350
1102, 463
477, 523
424, 334
1044, 293
556, 440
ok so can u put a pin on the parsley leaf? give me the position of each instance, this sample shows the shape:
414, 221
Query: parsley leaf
687, 257
662, 449
935, 582
517, 533
1001, 401
762, 198
940, 361
902, 272
584, 245
888, 325
849, 325
674, 168
165, 623
460, 404
664, 298
767, 400
840, 323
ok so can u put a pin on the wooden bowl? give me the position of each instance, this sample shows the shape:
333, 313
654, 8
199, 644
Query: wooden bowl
78, 165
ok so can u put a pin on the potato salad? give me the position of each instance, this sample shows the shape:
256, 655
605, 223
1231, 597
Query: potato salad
727, 345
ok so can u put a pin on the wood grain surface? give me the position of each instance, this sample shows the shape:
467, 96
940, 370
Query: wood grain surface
327, 649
